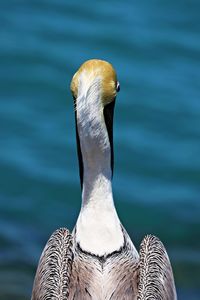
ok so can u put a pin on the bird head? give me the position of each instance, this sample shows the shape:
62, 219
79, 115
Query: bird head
102, 70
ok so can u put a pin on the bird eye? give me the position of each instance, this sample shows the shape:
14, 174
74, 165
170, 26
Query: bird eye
118, 86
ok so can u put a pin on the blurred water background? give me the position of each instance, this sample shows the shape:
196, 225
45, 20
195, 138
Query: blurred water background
155, 48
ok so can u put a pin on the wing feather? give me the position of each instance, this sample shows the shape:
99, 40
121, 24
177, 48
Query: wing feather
156, 281
54, 268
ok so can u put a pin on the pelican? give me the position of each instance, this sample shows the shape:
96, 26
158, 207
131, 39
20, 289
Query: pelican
98, 259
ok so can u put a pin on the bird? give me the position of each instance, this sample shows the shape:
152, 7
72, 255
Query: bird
98, 260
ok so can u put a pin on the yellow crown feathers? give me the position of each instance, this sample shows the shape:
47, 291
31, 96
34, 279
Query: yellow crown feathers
102, 69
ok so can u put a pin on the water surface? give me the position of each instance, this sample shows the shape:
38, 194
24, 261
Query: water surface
154, 46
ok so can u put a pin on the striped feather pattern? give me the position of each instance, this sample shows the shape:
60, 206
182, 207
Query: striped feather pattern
54, 268
62, 275
156, 280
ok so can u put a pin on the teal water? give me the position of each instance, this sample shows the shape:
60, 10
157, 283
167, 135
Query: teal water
155, 48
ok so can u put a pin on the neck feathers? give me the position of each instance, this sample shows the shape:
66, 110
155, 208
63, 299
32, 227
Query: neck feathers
98, 227
94, 135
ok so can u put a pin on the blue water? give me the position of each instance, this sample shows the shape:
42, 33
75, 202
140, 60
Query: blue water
155, 48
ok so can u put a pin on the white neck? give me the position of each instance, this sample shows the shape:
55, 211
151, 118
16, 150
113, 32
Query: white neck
98, 229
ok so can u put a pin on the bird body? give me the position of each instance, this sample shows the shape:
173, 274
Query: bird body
102, 277
98, 260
